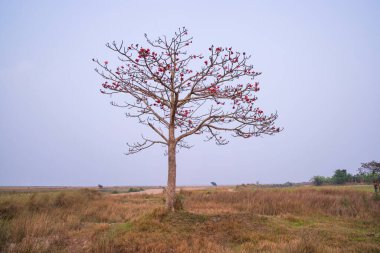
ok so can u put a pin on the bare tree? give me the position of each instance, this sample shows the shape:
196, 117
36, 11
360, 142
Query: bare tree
166, 93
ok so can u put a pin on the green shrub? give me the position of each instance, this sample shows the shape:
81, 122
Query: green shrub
135, 189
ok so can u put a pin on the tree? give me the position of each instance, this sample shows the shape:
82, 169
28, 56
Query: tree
340, 177
320, 180
373, 167
166, 93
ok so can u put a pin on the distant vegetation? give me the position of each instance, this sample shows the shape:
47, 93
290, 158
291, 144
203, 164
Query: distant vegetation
116, 190
367, 173
132, 189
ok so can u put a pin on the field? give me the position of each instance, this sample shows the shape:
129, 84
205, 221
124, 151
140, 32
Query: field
222, 219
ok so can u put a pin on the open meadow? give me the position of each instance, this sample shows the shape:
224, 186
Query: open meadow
222, 219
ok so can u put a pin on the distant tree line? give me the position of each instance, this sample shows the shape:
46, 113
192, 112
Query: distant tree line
367, 173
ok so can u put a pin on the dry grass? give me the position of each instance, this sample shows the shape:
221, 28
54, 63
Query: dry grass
301, 201
302, 219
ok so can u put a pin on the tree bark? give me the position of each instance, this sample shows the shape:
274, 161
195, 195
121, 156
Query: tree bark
172, 167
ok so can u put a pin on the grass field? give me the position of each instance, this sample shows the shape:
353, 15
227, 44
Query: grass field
243, 219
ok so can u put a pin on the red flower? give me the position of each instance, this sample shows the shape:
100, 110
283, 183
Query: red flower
105, 62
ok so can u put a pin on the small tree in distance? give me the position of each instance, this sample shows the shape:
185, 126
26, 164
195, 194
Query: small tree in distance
320, 180
372, 167
340, 177
177, 94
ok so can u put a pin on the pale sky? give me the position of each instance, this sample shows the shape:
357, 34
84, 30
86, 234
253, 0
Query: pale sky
320, 63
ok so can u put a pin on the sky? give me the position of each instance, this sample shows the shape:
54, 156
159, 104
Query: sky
320, 63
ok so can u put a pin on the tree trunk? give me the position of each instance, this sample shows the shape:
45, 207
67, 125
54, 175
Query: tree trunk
172, 167
170, 191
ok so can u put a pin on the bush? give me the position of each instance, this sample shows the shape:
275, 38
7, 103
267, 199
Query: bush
135, 189
318, 180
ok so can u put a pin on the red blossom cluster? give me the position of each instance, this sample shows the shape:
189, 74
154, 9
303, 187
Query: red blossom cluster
143, 53
164, 68
213, 89
115, 86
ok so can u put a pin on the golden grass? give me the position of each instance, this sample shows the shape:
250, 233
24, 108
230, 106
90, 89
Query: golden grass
301, 201
298, 219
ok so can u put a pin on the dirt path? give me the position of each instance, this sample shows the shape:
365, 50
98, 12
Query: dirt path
148, 191
154, 191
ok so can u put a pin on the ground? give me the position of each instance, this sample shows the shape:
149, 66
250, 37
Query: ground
218, 219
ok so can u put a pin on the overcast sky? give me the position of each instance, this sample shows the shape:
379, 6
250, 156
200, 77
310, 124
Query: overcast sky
320, 62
